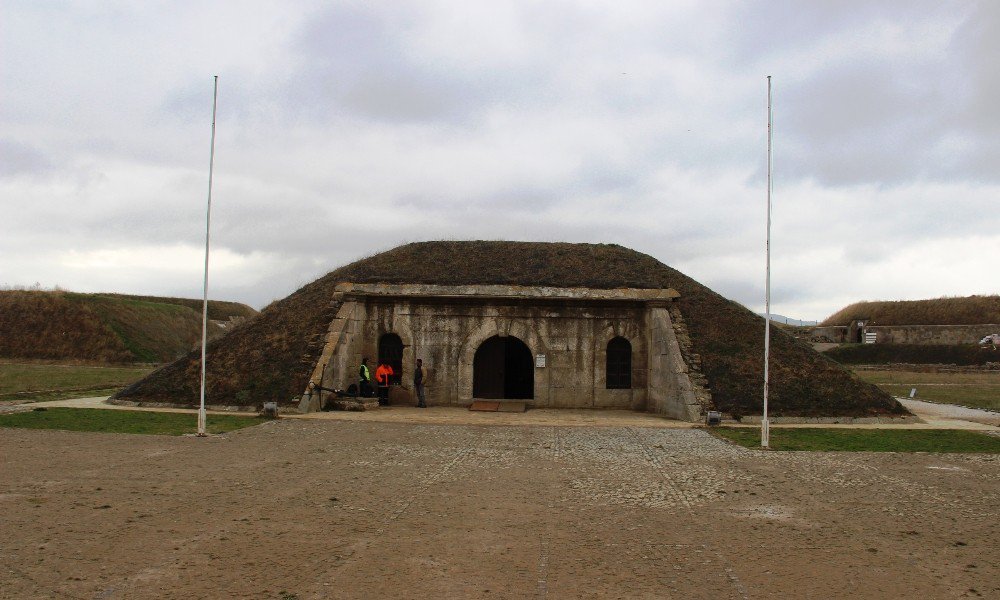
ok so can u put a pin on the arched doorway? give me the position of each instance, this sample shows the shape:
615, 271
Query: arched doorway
618, 370
390, 352
503, 369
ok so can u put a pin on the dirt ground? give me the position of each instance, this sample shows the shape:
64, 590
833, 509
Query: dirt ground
301, 508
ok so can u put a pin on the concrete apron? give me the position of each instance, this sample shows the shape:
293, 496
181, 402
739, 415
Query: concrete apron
930, 416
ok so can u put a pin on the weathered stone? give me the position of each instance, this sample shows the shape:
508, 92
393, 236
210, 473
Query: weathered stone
566, 330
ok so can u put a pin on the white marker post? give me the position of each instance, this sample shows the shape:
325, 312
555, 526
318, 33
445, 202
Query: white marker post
208, 228
765, 433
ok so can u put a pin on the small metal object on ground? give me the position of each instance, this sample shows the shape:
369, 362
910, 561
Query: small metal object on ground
270, 410
713, 417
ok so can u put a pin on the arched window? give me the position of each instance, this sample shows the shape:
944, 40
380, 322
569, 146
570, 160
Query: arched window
390, 352
619, 372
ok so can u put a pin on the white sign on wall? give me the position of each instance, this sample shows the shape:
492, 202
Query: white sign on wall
539, 361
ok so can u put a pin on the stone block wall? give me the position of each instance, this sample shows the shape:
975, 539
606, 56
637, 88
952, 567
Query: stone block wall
446, 336
932, 334
572, 334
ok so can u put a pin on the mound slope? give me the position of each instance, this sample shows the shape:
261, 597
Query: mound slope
968, 310
105, 327
270, 357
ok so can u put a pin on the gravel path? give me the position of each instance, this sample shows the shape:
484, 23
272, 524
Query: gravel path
354, 509
933, 411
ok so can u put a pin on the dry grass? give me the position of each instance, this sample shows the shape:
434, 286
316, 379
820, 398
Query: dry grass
970, 310
218, 310
270, 357
109, 328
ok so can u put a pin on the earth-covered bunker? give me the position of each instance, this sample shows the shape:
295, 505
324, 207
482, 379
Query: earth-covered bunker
602, 325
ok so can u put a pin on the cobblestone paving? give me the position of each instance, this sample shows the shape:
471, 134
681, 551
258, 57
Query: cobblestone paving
340, 509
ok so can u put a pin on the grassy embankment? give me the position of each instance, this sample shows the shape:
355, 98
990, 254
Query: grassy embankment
108, 328
864, 440
37, 381
271, 357
976, 390
124, 421
969, 310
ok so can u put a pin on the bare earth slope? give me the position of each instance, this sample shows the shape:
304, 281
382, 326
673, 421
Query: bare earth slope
270, 357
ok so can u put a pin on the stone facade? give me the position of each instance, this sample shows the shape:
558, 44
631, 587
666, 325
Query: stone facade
566, 331
932, 334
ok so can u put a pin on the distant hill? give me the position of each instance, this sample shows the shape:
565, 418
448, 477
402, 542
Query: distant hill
968, 310
789, 321
107, 327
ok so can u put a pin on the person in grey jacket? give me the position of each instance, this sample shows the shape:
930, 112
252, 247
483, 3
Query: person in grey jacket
418, 384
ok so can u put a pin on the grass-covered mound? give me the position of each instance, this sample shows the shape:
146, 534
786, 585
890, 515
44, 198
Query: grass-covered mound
113, 328
968, 310
915, 354
270, 358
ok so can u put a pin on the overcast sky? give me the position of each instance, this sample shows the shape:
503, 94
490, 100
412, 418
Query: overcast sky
346, 128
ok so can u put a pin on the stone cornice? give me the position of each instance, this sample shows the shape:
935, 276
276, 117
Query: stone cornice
504, 292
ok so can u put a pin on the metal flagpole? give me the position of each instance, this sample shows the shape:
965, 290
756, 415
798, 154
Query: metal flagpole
765, 433
208, 228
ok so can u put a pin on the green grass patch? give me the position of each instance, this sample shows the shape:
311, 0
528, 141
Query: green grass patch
915, 354
37, 381
46, 396
821, 439
977, 390
124, 421
973, 397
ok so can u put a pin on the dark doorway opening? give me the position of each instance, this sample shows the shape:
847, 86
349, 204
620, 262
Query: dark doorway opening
618, 374
503, 368
390, 352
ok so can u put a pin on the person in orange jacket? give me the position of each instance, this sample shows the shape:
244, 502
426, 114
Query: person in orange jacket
382, 376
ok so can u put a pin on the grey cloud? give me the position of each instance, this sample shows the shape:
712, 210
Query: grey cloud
764, 30
539, 136
358, 61
18, 159
891, 117
855, 124
976, 79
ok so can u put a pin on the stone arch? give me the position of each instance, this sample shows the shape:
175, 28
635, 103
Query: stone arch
618, 364
487, 329
390, 351
503, 368
391, 324
635, 339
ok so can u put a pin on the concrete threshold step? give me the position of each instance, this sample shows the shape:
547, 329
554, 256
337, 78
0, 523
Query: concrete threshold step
498, 406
